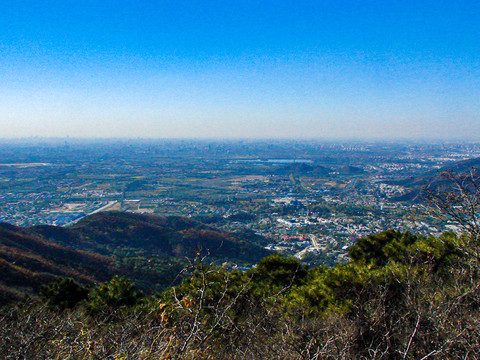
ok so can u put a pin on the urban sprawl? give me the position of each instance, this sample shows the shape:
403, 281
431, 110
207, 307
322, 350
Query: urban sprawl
309, 199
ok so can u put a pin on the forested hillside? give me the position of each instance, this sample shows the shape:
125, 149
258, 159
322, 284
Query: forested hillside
27, 261
150, 250
402, 296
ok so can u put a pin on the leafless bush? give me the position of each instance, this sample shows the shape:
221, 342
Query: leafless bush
458, 202
34, 331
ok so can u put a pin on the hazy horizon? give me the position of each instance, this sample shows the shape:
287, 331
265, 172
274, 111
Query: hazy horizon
240, 70
340, 140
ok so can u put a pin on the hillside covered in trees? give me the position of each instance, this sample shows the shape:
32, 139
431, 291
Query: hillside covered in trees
150, 250
402, 296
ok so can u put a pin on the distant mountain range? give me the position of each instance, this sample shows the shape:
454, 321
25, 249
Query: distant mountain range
433, 179
151, 250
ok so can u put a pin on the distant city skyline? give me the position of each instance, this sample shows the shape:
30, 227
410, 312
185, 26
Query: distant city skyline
240, 69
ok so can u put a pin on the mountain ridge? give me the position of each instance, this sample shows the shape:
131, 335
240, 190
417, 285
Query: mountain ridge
433, 179
150, 250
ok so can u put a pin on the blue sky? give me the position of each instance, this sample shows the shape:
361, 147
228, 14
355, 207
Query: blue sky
229, 69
